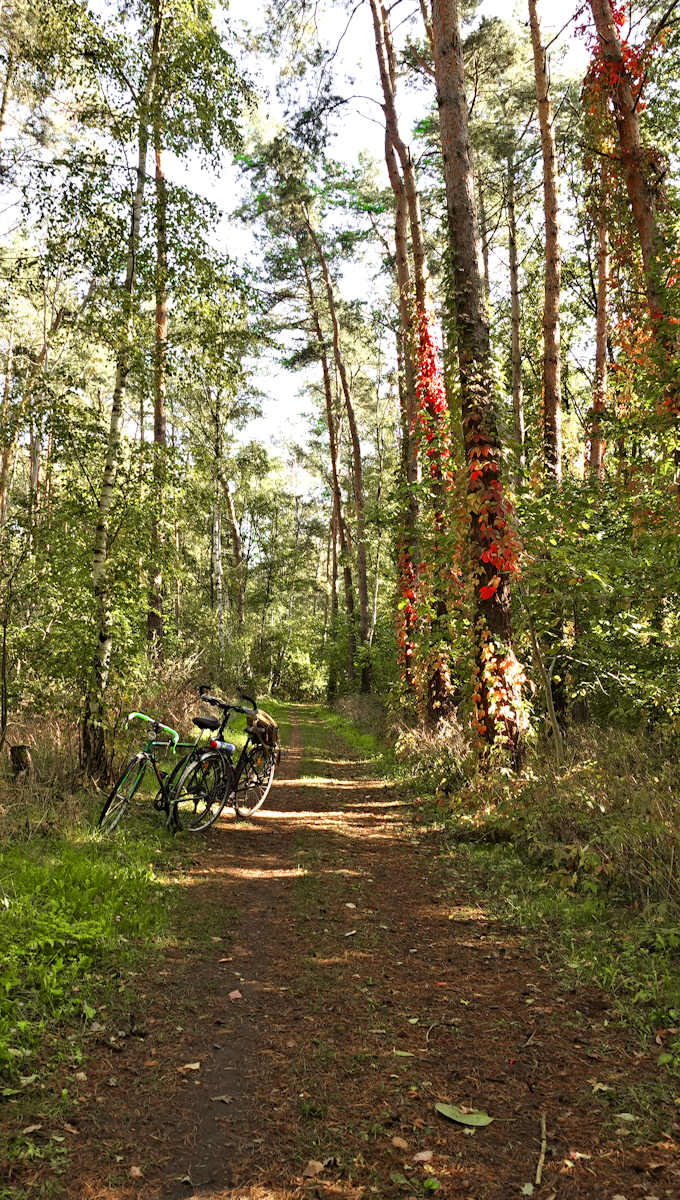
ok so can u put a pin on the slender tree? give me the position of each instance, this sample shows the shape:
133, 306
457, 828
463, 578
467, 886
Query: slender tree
552, 397
92, 729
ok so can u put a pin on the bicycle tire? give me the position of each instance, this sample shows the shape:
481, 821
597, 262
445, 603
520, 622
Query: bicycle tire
119, 798
254, 783
201, 792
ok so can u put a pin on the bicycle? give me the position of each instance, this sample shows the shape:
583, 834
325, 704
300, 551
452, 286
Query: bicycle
194, 794
185, 787
244, 784
132, 777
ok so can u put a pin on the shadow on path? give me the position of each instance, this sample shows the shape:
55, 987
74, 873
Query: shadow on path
339, 990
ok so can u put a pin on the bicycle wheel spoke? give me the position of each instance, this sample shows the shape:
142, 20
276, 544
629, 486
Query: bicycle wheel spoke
120, 797
200, 794
256, 780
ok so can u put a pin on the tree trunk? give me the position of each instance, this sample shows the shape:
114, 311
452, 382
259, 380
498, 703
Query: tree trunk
357, 468
408, 552
341, 529
6, 92
13, 426
332, 687
642, 184
155, 610
218, 572
388, 76
5, 428
405, 187
552, 397
93, 745
497, 682
237, 553
600, 389
515, 316
484, 235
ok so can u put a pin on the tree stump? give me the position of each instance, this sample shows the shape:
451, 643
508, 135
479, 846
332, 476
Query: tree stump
22, 763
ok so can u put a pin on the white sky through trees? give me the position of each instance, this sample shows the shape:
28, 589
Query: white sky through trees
359, 128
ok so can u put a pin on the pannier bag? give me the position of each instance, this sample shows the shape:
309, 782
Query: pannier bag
264, 728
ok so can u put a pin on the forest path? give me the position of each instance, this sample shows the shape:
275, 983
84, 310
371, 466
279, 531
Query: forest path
366, 984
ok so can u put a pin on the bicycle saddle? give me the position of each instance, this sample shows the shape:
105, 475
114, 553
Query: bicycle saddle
206, 722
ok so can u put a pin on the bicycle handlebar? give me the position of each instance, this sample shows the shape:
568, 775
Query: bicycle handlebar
153, 721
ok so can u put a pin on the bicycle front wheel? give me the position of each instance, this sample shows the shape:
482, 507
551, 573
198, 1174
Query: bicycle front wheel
201, 792
120, 797
256, 780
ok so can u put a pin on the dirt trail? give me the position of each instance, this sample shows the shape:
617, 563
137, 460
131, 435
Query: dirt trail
363, 990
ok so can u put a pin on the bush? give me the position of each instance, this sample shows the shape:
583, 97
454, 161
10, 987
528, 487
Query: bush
606, 818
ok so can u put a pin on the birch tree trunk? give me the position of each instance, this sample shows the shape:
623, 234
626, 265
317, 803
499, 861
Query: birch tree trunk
237, 553
498, 676
93, 747
515, 315
600, 388
552, 396
155, 611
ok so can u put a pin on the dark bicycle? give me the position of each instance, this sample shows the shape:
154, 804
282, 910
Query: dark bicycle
184, 794
244, 784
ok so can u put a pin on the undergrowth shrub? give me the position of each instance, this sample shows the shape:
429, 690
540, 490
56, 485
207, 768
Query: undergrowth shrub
607, 818
432, 761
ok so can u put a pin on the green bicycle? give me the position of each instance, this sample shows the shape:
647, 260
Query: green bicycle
186, 794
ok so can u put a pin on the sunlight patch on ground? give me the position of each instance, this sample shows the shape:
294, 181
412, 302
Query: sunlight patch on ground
467, 912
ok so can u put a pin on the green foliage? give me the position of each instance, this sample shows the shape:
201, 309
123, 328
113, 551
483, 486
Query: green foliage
74, 912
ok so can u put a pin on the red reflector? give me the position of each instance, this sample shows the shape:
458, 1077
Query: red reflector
213, 744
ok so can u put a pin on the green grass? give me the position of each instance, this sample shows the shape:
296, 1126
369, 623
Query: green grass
75, 912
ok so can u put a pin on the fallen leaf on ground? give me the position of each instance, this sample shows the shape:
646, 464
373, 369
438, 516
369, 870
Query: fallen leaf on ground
190, 1067
235, 995
136, 1172
71, 1129
81, 1076
350, 906
224, 1099
223, 960
312, 1169
351, 933
31, 1129
453, 1113
399, 1143
423, 1156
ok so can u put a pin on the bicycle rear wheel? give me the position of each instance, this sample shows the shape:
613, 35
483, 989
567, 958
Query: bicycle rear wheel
255, 780
119, 798
201, 792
